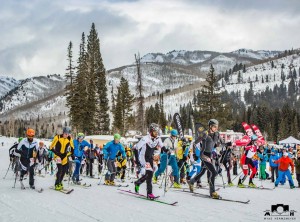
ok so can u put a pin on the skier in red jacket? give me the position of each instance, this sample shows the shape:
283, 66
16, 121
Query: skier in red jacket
283, 170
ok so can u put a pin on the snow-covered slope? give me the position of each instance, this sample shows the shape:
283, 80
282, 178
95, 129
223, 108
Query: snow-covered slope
201, 60
32, 90
107, 204
156, 77
260, 72
7, 84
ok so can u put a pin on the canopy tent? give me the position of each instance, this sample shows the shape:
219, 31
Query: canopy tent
289, 140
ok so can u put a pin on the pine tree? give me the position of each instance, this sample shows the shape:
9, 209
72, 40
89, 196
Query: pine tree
272, 64
240, 79
292, 88
80, 97
117, 113
244, 68
267, 78
70, 77
140, 96
295, 127
256, 78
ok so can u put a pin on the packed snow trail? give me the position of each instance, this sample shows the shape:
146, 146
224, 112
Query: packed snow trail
103, 203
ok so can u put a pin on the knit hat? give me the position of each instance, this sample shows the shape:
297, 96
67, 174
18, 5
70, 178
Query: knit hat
285, 154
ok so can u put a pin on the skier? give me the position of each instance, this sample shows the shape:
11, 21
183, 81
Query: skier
297, 165
62, 147
90, 157
110, 151
246, 162
42, 154
121, 166
99, 157
79, 146
13, 159
168, 157
283, 169
26, 150
196, 163
182, 155
273, 166
226, 161
145, 148
209, 140
263, 158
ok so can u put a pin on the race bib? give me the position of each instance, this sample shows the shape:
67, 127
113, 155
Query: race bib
172, 152
148, 166
31, 161
245, 167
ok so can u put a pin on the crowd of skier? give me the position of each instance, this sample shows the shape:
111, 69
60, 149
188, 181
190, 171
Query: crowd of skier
148, 160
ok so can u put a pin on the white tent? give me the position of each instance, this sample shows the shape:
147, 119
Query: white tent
289, 140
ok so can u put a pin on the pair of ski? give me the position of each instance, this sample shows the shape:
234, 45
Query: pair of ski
209, 197
39, 190
65, 191
141, 196
84, 185
117, 185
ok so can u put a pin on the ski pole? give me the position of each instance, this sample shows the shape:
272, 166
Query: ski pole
103, 173
236, 176
7, 170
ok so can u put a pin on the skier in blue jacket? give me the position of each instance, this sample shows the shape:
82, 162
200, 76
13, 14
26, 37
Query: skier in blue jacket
263, 158
110, 152
273, 166
79, 145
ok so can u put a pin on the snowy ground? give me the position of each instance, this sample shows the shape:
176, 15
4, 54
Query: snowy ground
101, 203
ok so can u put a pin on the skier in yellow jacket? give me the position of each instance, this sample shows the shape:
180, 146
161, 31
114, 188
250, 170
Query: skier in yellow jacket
62, 147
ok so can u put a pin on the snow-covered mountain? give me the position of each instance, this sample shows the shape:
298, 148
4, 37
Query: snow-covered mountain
263, 75
7, 84
201, 60
31, 92
156, 77
44, 96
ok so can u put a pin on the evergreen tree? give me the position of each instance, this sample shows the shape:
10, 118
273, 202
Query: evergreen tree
80, 97
256, 78
240, 79
295, 127
272, 64
70, 77
292, 88
244, 68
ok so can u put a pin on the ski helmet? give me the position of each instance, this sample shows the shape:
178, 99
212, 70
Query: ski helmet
30, 132
20, 139
174, 132
153, 127
67, 130
254, 137
213, 122
80, 135
117, 136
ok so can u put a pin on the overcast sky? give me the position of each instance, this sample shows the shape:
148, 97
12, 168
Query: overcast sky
35, 33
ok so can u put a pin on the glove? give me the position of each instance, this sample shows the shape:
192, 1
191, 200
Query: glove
73, 157
228, 144
195, 157
62, 155
219, 170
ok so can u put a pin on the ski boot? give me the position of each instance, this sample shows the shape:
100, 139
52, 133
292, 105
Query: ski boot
122, 180
199, 185
107, 182
151, 196
32, 187
292, 186
215, 195
191, 186
62, 186
230, 184
176, 185
136, 187
183, 180
252, 185
112, 183
58, 187
240, 184
154, 179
